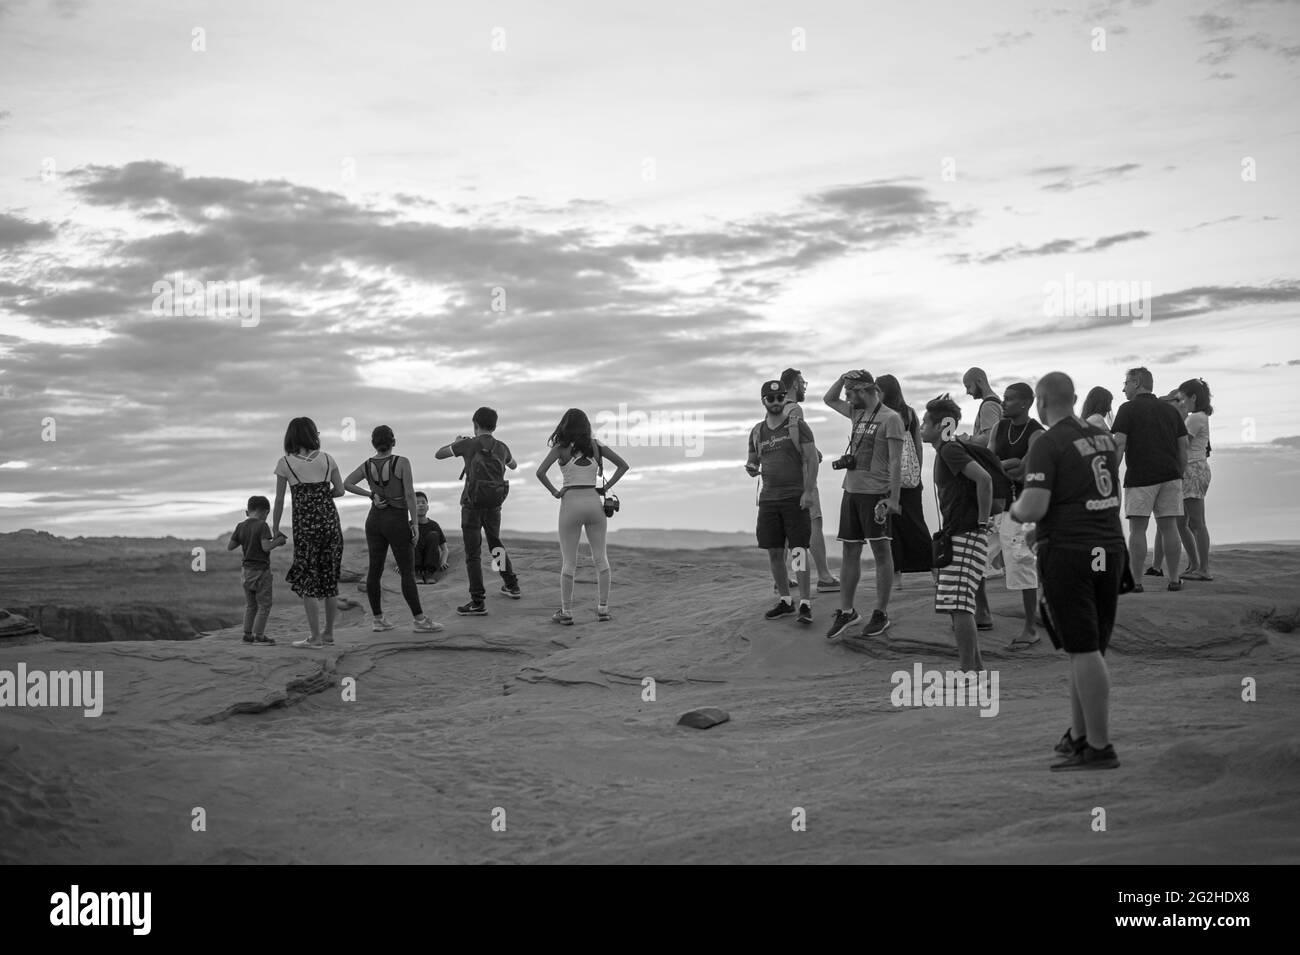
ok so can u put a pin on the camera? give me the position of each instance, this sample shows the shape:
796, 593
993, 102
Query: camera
611, 505
845, 462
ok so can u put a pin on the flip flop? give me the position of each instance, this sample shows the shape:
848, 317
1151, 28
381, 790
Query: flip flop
1197, 575
1023, 644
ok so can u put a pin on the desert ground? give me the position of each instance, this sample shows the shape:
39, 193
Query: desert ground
551, 725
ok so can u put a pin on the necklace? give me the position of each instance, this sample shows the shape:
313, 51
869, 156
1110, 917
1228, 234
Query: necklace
1011, 440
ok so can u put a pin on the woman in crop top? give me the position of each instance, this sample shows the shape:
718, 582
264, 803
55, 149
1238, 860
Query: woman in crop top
581, 458
392, 522
1194, 400
313, 479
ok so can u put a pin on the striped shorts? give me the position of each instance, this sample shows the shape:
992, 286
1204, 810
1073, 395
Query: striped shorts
960, 579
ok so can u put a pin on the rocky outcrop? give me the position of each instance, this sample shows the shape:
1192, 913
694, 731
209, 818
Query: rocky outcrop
131, 622
15, 629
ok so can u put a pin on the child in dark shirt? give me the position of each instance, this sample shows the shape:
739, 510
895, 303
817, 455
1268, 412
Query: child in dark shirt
255, 538
431, 549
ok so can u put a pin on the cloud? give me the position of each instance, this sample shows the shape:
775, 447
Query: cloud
1054, 247
15, 231
1072, 177
1005, 40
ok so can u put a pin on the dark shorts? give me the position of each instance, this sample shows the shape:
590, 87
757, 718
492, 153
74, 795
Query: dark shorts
783, 524
1080, 601
858, 519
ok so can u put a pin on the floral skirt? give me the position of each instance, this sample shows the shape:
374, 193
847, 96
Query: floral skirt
1196, 479
317, 542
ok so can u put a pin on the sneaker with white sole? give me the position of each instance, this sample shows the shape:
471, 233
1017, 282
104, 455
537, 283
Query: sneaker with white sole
425, 625
475, 608
307, 643
563, 617
509, 591
841, 622
379, 625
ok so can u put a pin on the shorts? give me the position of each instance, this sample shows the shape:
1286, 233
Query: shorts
1080, 601
1165, 500
783, 524
1008, 540
1196, 479
858, 519
960, 579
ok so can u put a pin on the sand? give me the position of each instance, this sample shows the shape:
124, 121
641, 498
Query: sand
548, 723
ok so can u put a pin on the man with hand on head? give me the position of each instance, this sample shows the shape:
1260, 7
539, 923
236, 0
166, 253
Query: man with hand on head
873, 481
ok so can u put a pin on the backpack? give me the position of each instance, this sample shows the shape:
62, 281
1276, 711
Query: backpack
990, 463
485, 482
911, 463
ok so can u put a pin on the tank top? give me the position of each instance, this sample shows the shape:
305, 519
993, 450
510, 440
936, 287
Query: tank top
383, 480
579, 475
1005, 448
1198, 430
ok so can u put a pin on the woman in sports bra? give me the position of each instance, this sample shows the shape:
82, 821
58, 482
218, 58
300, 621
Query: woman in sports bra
313, 480
581, 460
391, 523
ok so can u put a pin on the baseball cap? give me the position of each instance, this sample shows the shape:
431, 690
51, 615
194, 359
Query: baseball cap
773, 389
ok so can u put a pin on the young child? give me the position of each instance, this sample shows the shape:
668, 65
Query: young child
255, 537
431, 550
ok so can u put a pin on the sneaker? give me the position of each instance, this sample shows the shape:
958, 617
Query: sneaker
878, 624
603, 614
1138, 589
781, 609
842, 622
1153, 572
261, 638
1088, 758
248, 638
831, 586
475, 608
805, 613
307, 643
379, 625
425, 625
1175, 585
1068, 745
563, 617
511, 591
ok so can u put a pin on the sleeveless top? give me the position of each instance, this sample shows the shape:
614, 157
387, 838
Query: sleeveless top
383, 480
314, 471
579, 475
1198, 431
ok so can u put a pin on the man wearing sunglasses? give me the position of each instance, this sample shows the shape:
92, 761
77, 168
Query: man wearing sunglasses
781, 449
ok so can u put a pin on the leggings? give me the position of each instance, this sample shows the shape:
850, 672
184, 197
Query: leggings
387, 527
579, 508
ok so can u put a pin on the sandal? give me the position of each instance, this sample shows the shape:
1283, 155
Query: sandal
1018, 644
1197, 575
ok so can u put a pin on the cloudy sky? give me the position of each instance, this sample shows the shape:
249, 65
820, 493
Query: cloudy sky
538, 206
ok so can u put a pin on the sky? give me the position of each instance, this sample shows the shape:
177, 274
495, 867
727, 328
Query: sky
644, 211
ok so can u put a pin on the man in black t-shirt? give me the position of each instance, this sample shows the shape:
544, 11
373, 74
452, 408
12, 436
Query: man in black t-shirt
1152, 440
965, 498
1070, 490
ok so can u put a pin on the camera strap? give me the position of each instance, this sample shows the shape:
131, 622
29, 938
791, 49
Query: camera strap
855, 444
600, 468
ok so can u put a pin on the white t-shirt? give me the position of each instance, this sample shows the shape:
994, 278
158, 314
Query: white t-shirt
1198, 435
308, 471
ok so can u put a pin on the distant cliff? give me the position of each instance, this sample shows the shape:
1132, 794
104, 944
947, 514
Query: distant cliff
129, 622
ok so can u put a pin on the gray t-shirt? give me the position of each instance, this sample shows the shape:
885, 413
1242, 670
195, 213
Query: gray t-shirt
877, 438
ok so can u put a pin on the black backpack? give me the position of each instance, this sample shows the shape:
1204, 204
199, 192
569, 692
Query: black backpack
990, 463
485, 482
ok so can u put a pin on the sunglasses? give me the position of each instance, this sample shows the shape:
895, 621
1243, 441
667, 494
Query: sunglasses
773, 399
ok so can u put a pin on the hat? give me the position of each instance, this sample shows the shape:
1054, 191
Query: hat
860, 379
773, 389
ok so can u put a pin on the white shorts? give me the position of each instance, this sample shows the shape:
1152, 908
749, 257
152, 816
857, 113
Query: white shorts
1020, 562
1164, 500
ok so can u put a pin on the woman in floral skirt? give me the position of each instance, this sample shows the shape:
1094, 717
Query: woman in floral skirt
314, 480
